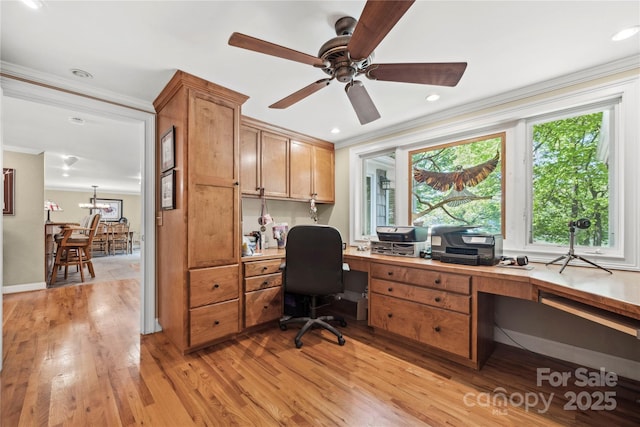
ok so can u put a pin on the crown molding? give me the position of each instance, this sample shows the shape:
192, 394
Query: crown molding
601, 71
18, 72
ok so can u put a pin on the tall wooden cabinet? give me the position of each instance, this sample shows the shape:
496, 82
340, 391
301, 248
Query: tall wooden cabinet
198, 242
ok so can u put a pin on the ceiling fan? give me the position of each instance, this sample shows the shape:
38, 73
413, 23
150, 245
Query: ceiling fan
350, 54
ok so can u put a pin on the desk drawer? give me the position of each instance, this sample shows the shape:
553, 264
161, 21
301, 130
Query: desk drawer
262, 306
212, 285
256, 268
416, 276
213, 321
439, 328
433, 297
262, 282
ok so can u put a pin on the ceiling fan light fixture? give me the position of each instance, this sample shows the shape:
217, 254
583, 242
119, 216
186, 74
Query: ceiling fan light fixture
69, 160
626, 33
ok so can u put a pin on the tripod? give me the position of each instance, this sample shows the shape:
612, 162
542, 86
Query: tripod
571, 255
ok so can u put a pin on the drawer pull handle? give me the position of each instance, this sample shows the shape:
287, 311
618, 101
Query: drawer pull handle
390, 273
438, 299
265, 283
266, 307
264, 268
437, 329
390, 315
217, 322
390, 289
437, 281
215, 286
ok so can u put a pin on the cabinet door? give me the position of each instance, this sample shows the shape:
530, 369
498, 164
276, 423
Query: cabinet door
323, 174
301, 170
249, 160
275, 164
213, 190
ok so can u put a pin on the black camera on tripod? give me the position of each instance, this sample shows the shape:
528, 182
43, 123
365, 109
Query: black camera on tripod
581, 223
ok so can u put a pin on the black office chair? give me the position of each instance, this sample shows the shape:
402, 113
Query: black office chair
313, 267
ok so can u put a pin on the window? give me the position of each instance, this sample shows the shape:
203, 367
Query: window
378, 204
571, 175
459, 184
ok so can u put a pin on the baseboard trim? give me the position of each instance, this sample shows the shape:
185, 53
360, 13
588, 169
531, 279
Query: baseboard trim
581, 356
26, 287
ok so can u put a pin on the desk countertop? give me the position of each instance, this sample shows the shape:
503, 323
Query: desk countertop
619, 291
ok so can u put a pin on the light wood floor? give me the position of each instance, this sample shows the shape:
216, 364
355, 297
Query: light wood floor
73, 356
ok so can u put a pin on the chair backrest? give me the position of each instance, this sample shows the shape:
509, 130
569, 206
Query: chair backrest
313, 260
94, 220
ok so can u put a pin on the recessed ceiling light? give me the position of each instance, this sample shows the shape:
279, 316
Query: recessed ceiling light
335, 130
76, 121
65, 175
433, 97
626, 33
33, 4
81, 73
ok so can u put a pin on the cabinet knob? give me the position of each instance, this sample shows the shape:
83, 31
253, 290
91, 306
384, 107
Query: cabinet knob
264, 268
438, 299
437, 281
215, 286
265, 283
390, 289
390, 315
390, 273
437, 329
217, 322
265, 307
236, 183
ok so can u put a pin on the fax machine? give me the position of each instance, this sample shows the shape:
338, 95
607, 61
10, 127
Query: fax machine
461, 244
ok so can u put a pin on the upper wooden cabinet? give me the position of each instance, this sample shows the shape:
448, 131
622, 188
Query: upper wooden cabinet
312, 172
286, 164
260, 147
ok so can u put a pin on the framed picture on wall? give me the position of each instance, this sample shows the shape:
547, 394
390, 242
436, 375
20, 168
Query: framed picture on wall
8, 177
167, 191
167, 150
114, 210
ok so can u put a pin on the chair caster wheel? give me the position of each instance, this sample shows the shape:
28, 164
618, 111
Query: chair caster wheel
283, 327
298, 344
343, 323
341, 341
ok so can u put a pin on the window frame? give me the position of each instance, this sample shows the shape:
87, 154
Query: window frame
616, 170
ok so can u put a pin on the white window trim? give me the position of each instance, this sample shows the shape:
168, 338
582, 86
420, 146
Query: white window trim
510, 119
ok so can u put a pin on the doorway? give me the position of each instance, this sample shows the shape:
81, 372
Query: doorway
146, 124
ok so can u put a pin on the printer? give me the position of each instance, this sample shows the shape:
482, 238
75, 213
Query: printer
462, 244
407, 241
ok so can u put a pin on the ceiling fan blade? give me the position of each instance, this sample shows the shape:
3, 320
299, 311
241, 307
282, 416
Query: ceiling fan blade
439, 74
361, 102
376, 20
251, 43
301, 94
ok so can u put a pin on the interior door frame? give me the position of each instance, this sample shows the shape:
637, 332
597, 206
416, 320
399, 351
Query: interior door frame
45, 94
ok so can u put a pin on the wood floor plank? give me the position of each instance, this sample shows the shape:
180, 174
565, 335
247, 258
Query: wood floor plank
73, 356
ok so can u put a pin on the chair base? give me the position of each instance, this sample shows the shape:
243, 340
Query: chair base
312, 322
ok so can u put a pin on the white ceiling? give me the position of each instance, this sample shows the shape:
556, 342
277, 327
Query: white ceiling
133, 48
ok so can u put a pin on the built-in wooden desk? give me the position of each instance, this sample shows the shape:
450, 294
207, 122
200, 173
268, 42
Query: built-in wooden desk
397, 283
449, 308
